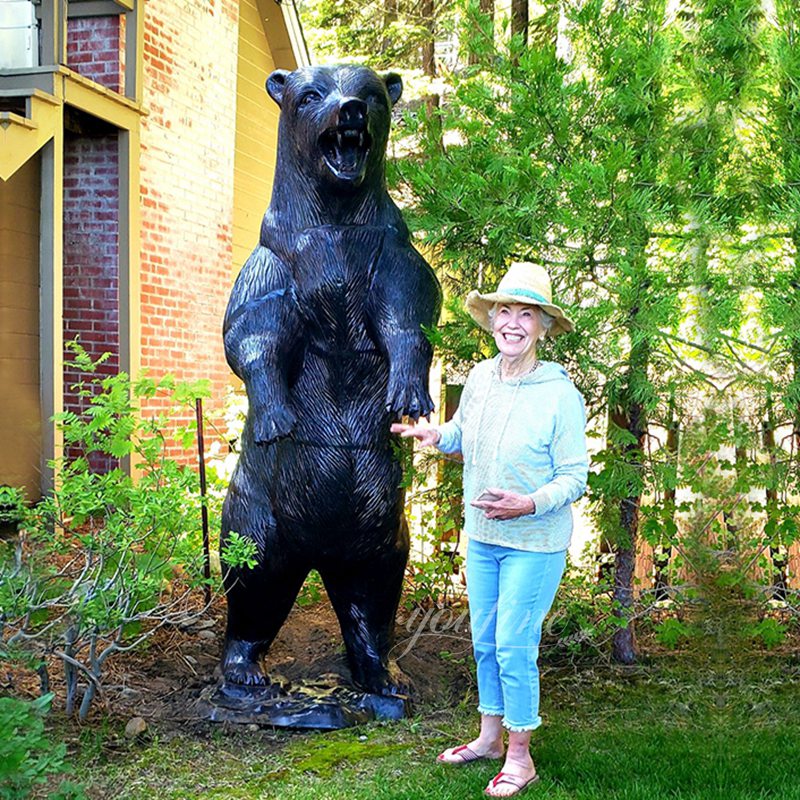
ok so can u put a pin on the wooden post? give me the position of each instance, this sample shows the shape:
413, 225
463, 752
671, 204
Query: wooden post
53, 15
134, 52
51, 276
204, 508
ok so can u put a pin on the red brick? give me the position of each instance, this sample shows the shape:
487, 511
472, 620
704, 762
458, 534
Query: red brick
94, 47
91, 280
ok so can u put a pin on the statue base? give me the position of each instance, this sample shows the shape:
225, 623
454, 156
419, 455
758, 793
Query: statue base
325, 703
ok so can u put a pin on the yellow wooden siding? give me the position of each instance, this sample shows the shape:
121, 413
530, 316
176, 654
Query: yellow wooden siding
20, 407
256, 133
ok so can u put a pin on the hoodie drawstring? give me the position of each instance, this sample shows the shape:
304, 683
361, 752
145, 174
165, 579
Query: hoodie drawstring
505, 421
496, 374
480, 423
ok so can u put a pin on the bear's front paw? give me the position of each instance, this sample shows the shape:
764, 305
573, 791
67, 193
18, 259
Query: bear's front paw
397, 683
272, 422
408, 397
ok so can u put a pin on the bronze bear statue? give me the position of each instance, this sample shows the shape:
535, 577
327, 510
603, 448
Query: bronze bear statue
325, 328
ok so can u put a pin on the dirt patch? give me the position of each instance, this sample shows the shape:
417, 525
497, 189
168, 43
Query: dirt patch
162, 681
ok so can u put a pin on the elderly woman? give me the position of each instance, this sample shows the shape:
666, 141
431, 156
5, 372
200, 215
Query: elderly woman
520, 428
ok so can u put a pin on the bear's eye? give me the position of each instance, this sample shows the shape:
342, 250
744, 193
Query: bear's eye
308, 98
373, 99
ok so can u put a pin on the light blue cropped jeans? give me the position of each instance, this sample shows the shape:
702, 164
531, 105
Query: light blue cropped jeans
510, 592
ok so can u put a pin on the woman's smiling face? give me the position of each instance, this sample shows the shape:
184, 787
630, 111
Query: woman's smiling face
516, 328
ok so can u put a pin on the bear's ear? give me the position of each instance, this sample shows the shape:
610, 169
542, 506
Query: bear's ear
394, 85
276, 83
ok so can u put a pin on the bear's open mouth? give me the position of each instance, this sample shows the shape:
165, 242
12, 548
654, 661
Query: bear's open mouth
345, 149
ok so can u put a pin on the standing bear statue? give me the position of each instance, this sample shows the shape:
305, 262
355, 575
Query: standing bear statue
325, 327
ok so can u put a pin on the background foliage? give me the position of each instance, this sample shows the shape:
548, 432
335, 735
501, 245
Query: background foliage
646, 153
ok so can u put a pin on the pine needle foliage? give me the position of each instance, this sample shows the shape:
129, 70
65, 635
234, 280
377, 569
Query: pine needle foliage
631, 168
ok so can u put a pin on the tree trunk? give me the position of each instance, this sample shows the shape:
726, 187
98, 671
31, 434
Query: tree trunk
664, 552
629, 417
519, 19
623, 648
428, 50
389, 18
432, 101
794, 346
487, 8
779, 579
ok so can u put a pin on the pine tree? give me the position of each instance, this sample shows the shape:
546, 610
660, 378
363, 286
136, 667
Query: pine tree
562, 164
383, 34
635, 161
627, 139
776, 276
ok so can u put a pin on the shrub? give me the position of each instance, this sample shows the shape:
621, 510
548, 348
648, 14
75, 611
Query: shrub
769, 632
105, 560
27, 756
581, 620
672, 632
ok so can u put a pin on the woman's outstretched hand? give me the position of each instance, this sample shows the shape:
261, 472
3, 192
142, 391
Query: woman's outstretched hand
508, 505
426, 435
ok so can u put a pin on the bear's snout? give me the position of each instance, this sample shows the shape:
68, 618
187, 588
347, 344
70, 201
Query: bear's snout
353, 113
345, 145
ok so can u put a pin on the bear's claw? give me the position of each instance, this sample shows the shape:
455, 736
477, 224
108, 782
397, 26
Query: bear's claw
410, 398
389, 682
241, 664
245, 675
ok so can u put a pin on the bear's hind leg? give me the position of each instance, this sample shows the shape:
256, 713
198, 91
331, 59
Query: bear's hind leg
259, 599
365, 598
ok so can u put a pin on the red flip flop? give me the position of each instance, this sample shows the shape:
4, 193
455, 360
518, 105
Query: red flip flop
464, 753
514, 780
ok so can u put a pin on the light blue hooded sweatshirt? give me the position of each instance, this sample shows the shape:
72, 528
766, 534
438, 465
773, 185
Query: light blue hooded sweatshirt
526, 436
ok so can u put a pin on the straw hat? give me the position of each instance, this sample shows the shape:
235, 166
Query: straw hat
523, 283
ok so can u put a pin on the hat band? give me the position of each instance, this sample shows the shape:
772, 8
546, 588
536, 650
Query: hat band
528, 293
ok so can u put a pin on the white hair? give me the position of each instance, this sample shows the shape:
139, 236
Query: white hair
546, 319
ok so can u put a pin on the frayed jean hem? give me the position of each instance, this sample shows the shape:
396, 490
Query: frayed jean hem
491, 712
521, 728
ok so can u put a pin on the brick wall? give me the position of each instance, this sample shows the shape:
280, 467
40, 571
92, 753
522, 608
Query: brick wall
187, 167
91, 257
187, 178
94, 48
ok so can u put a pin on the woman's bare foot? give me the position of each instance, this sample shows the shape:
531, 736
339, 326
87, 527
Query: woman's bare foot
516, 775
476, 750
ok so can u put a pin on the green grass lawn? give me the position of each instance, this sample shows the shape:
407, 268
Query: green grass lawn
669, 729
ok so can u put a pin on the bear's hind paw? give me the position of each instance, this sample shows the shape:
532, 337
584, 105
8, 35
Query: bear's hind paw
241, 664
244, 673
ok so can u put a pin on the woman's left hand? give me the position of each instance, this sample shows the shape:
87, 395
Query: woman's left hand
509, 505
